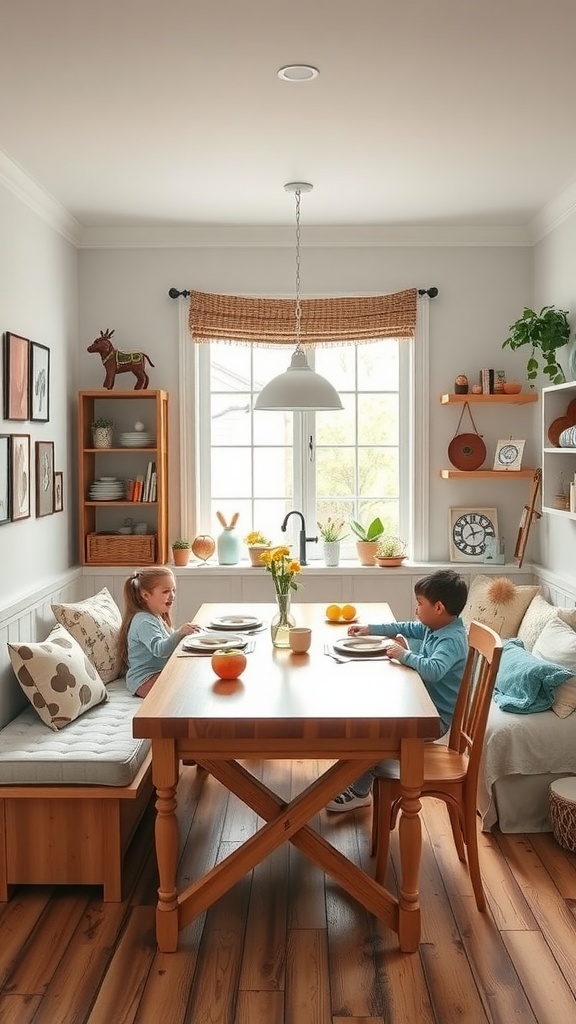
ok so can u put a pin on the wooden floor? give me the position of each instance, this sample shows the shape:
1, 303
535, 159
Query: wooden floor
286, 946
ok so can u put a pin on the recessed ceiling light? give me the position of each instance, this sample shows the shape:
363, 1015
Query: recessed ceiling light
298, 73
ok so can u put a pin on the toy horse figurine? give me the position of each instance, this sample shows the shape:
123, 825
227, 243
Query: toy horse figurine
119, 362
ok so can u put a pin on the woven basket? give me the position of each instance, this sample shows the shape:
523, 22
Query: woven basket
562, 809
116, 549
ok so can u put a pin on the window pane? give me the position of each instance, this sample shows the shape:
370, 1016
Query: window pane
230, 418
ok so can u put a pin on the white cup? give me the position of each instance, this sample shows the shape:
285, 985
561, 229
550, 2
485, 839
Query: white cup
300, 638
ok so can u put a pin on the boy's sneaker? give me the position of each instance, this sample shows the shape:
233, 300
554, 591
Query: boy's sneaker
348, 801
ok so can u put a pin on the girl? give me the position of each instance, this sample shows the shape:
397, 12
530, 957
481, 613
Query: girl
147, 638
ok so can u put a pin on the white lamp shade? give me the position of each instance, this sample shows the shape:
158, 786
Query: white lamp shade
298, 389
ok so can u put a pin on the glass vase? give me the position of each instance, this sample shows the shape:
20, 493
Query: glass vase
282, 622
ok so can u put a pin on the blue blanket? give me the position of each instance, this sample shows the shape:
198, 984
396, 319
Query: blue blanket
526, 684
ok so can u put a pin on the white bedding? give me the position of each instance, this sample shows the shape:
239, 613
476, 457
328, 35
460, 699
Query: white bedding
524, 745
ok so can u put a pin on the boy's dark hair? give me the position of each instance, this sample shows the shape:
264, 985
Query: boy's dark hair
446, 586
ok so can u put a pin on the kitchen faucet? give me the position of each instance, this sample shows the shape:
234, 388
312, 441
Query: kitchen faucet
303, 537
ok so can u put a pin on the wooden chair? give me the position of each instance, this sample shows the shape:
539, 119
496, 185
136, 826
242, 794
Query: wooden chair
450, 772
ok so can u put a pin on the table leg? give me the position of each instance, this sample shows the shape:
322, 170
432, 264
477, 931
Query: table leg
410, 841
165, 778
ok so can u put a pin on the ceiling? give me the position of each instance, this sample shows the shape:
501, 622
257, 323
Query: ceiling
170, 112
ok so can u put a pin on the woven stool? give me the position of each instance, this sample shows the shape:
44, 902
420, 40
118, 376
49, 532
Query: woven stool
563, 812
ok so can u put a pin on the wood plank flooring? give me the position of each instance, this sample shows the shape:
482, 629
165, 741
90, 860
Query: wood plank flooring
286, 945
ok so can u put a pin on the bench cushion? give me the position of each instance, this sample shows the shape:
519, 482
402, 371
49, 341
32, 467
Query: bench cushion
97, 749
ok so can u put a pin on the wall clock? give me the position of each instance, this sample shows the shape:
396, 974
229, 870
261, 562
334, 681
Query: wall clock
469, 528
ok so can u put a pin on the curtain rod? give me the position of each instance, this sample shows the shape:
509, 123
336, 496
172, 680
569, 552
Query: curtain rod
175, 294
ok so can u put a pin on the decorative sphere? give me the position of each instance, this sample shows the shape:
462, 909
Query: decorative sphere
203, 547
138, 425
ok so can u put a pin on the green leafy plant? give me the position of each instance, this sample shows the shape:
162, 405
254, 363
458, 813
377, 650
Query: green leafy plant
547, 331
331, 529
390, 547
102, 422
371, 532
181, 544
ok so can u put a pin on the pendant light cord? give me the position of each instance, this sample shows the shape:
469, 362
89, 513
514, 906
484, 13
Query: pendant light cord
298, 300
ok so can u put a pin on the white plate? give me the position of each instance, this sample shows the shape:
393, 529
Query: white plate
213, 642
360, 645
235, 622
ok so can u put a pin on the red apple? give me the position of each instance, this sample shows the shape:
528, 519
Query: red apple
228, 664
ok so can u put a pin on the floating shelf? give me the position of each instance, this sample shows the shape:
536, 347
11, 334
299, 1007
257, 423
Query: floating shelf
522, 398
484, 474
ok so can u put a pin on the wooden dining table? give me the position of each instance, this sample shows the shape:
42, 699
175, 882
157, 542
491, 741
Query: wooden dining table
287, 706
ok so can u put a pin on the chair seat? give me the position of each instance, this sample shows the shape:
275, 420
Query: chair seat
440, 765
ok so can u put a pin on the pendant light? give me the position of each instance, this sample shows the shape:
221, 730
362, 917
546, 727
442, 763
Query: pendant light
299, 388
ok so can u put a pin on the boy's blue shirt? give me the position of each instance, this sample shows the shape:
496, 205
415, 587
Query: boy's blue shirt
439, 661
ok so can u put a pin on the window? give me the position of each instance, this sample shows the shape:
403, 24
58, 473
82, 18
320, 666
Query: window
344, 464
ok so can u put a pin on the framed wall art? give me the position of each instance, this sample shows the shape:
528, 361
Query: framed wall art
468, 530
16, 377
508, 455
39, 382
20, 476
4, 479
58, 491
44, 478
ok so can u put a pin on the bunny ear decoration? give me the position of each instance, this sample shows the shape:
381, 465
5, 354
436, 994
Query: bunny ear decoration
221, 520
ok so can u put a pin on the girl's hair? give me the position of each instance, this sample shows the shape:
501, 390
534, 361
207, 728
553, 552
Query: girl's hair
142, 580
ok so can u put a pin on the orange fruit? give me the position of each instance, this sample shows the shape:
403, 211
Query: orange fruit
348, 611
333, 612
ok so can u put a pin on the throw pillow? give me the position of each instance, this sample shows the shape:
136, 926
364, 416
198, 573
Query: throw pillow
497, 602
538, 613
557, 643
60, 682
95, 624
526, 684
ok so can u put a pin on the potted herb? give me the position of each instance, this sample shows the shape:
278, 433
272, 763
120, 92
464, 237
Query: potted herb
367, 539
390, 551
181, 551
331, 531
102, 432
256, 543
547, 331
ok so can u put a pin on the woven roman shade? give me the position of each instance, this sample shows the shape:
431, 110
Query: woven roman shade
324, 321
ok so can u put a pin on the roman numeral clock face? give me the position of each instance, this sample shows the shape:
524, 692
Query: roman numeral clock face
469, 529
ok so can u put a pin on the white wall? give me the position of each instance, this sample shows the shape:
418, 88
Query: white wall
39, 300
555, 283
481, 291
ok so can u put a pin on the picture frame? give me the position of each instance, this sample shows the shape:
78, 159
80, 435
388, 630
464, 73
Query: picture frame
469, 527
508, 455
20, 476
4, 479
16, 377
58, 491
44, 478
39, 382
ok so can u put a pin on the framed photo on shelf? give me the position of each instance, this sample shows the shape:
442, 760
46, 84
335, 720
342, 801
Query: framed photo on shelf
20, 476
469, 529
4, 479
508, 455
44, 478
58, 492
16, 377
39, 382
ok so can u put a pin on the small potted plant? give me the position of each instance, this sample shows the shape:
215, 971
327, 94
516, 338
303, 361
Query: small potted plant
181, 551
547, 331
331, 531
368, 537
256, 543
390, 551
102, 432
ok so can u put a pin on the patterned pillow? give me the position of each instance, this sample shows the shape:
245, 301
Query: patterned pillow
95, 624
538, 613
498, 602
57, 677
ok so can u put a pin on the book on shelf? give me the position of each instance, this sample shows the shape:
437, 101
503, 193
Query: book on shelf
153, 486
487, 380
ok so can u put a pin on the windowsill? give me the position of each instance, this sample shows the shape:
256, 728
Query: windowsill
352, 568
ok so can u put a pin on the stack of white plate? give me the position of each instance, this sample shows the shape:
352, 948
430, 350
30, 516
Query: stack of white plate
137, 439
107, 488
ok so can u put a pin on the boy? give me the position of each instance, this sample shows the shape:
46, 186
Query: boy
440, 658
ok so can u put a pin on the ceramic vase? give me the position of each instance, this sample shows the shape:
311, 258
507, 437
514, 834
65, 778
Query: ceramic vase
331, 553
282, 622
102, 437
228, 547
367, 550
